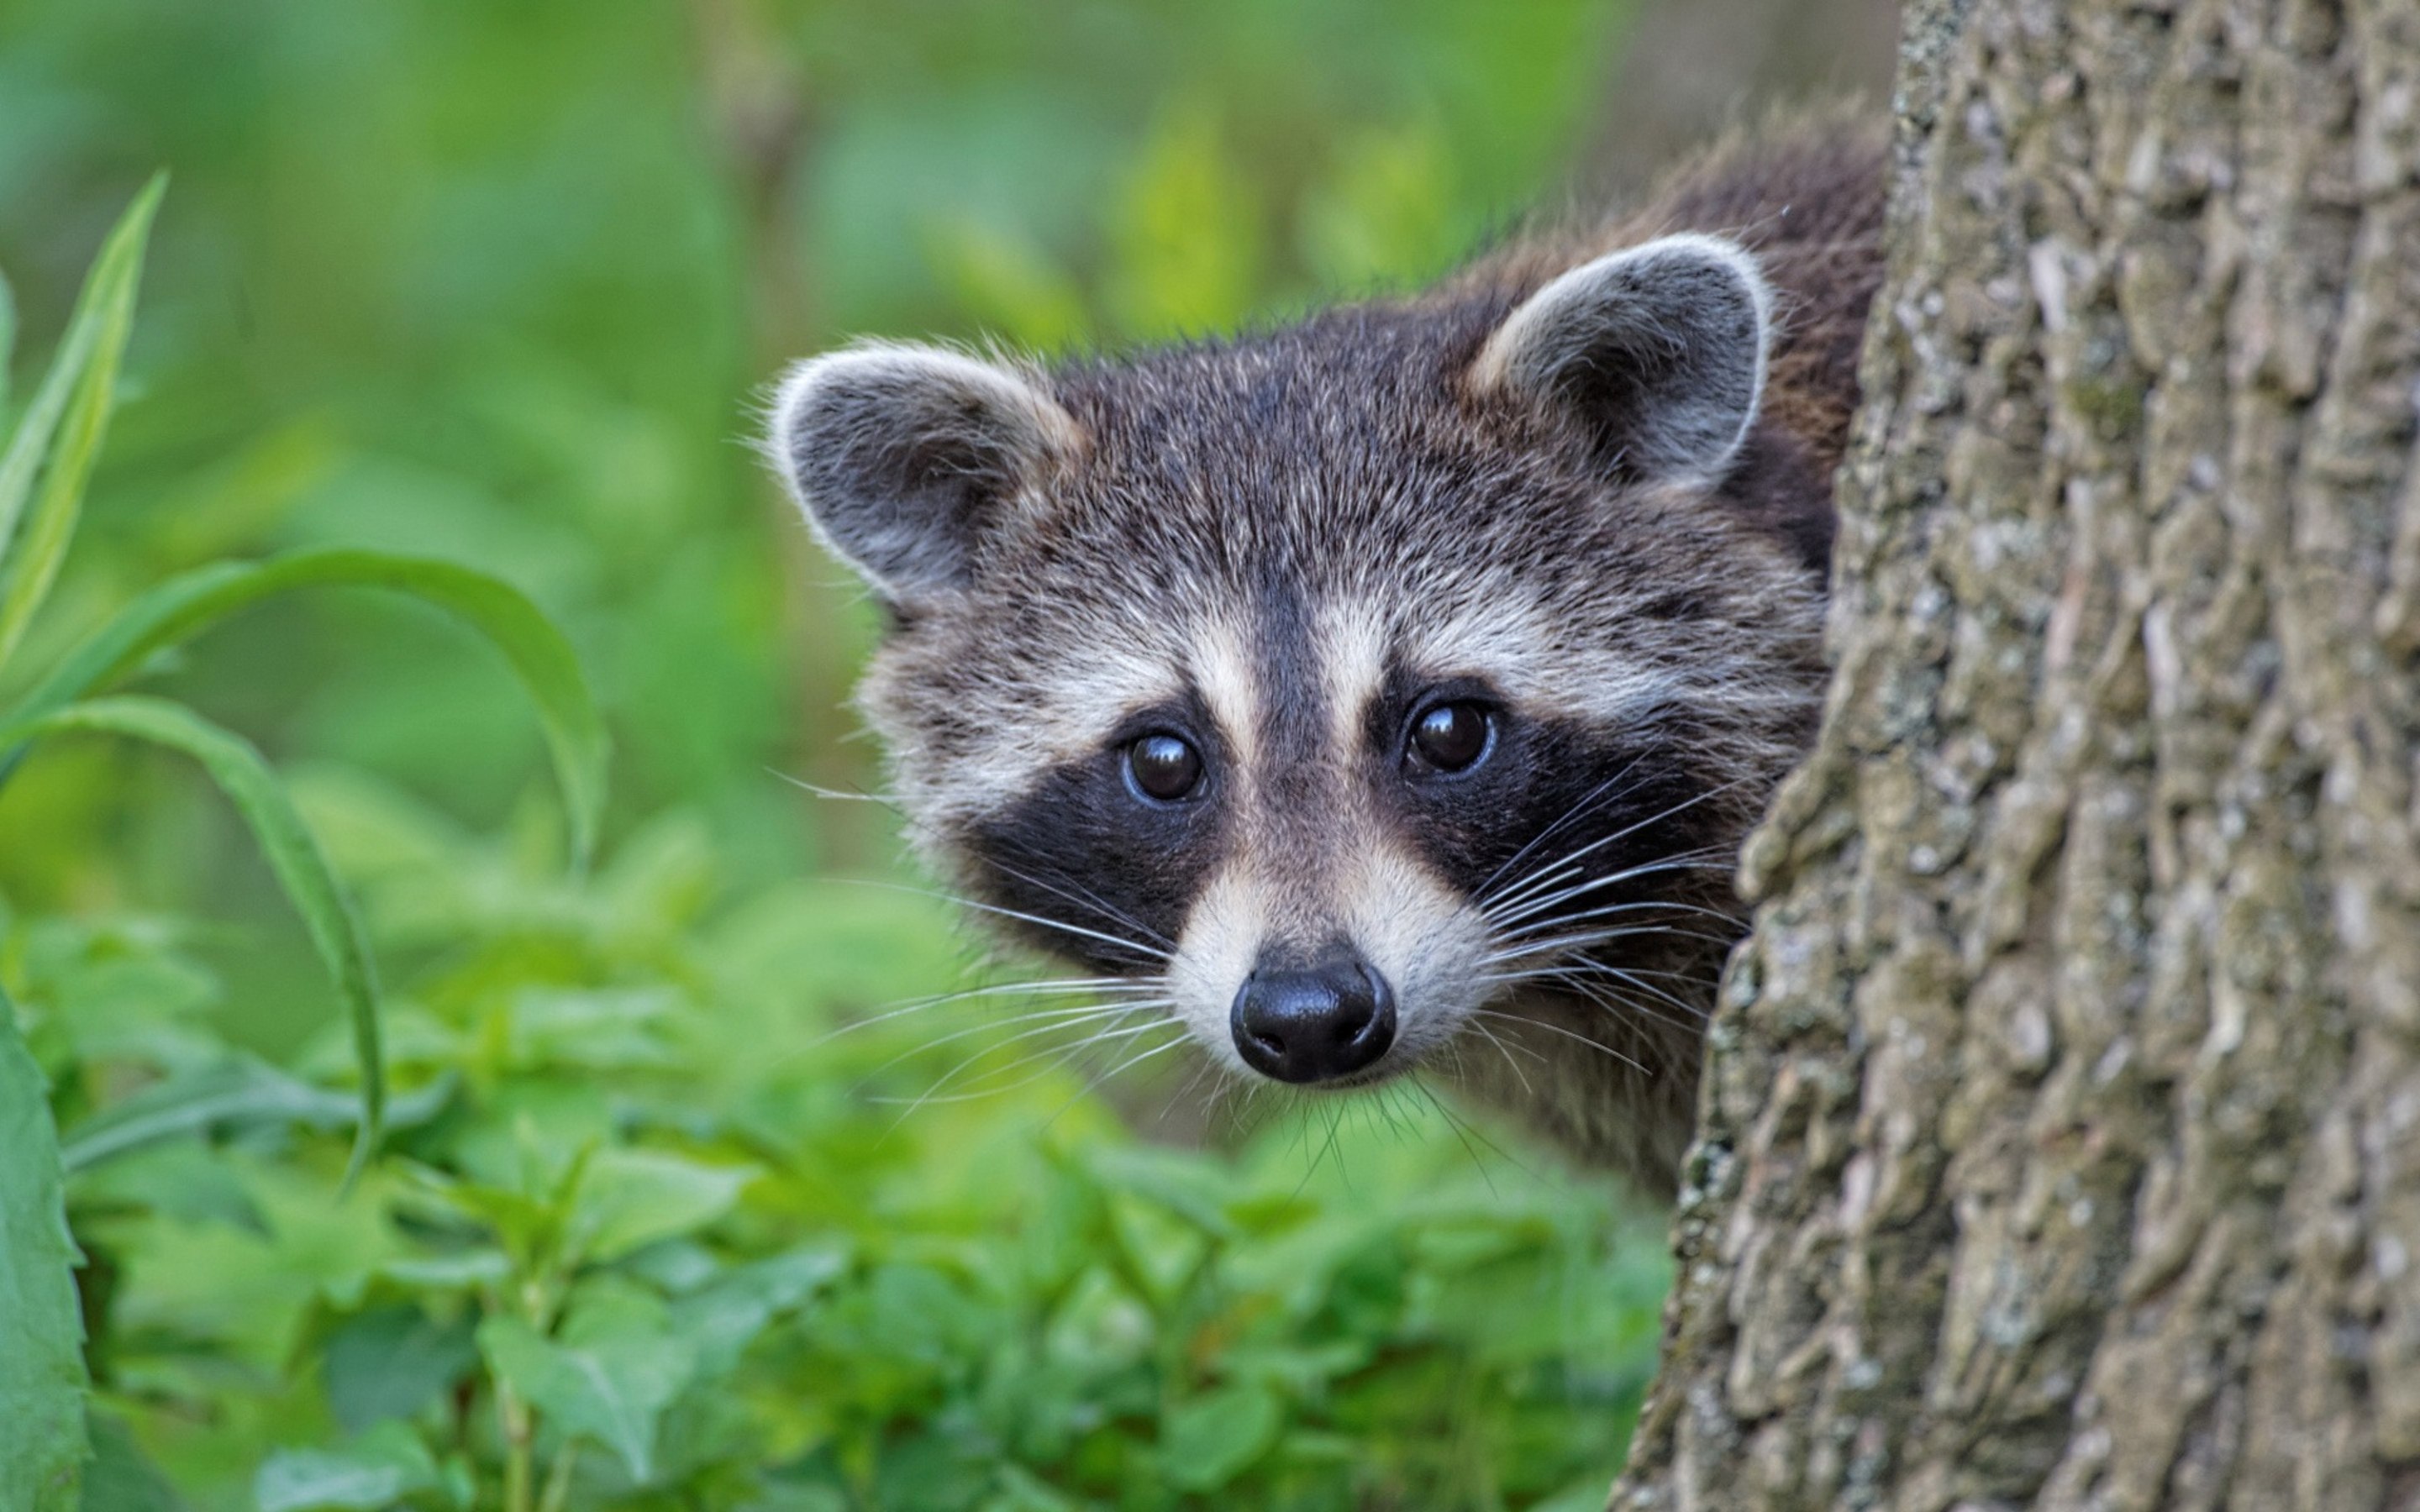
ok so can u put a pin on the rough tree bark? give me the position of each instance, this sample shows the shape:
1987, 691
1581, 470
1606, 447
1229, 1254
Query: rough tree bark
2061, 1141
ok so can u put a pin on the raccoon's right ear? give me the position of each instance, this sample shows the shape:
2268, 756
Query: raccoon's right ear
902, 455
1657, 351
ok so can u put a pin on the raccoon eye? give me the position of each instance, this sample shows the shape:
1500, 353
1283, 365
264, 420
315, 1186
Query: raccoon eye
1163, 767
1451, 737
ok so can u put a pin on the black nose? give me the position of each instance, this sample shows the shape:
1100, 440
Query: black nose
1316, 1025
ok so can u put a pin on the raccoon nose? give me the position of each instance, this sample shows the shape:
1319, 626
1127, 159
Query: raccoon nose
1316, 1025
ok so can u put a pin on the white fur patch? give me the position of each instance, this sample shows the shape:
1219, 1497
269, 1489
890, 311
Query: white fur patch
1220, 945
1222, 670
1526, 651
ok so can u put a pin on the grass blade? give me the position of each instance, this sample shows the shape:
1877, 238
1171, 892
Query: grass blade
42, 1326
540, 657
65, 421
292, 850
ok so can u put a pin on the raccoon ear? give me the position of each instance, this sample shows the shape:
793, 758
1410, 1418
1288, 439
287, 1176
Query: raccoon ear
1658, 350
903, 455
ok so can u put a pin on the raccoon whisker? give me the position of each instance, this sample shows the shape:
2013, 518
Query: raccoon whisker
1186, 1090
1546, 943
1501, 1044
1044, 921
1563, 867
1056, 1056
1385, 1100
1694, 1011
1088, 899
888, 800
1619, 1003
1466, 1131
1588, 978
1112, 1017
1568, 1034
1701, 860
1083, 897
1183, 1036
1707, 979
1559, 897
1335, 1125
1585, 803
1559, 880
1532, 928
1632, 828
1518, 1074
1056, 1064
1038, 1023
1070, 985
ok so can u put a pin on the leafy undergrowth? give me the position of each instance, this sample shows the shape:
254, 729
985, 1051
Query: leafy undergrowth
650, 1233
677, 1203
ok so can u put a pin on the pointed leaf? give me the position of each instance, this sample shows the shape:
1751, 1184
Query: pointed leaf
389, 1361
611, 1387
292, 851
1208, 1441
633, 1197
376, 1470
723, 1317
65, 422
41, 1329
539, 656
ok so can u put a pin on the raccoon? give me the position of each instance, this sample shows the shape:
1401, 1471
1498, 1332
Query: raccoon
1394, 688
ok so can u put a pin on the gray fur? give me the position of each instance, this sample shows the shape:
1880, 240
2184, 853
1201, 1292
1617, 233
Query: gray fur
1659, 350
1595, 478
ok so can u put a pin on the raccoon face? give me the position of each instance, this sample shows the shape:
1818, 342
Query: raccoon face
1395, 680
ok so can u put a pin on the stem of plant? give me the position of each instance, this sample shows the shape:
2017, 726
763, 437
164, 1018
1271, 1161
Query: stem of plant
558, 1480
519, 1432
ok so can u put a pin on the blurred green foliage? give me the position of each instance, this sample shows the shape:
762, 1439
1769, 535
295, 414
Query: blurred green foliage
497, 284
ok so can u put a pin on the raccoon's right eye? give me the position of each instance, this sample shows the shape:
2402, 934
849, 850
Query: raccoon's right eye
1163, 768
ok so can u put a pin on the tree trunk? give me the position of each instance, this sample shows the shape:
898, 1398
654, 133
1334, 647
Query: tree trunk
2061, 1141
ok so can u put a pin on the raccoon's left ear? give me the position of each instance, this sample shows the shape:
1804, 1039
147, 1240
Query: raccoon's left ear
906, 458
1657, 350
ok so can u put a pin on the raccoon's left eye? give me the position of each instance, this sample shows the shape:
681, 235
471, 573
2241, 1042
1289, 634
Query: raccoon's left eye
1452, 737
1163, 767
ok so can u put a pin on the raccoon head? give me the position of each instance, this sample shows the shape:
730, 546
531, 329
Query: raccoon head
1399, 678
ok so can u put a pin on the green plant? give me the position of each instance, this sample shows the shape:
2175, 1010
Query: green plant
477, 280
44, 472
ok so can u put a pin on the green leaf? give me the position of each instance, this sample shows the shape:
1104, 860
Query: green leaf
609, 1381
121, 1478
374, 1472
723, 1317
633, 1197
389, 1361
292, 851
42, 1444
241, 1089
546, 666
65, 422
1207, 1442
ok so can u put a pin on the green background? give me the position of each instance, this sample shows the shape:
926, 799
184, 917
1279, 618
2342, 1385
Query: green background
504, 282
